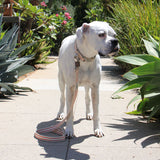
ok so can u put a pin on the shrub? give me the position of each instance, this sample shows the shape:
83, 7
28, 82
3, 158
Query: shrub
43, 24
64, 26
146, 77
37, 25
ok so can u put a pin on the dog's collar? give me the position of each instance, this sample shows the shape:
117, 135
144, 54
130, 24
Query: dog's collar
81, 56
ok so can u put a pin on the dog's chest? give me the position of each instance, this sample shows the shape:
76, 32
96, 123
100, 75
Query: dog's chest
89, 73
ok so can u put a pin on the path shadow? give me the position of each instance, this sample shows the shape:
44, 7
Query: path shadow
62, 150
138, 129
113, 72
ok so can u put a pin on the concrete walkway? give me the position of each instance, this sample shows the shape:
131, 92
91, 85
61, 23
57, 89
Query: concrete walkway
126, 137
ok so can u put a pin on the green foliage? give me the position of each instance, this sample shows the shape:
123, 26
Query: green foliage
146, 77
37, 25
41, 49
46, 25
11, 67
129, 18
99, 11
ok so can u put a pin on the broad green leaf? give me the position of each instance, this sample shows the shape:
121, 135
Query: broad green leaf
152, 86
135, 112
150, 48
130, 76
147, 69
137, 59
136, 83
138, 97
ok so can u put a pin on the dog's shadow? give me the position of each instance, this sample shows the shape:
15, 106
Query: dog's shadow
62, 150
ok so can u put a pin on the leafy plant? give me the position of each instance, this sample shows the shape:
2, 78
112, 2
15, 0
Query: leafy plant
11, 67
41, 49
37, 25
146, 78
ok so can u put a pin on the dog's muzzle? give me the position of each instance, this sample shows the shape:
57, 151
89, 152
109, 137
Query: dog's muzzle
113, 49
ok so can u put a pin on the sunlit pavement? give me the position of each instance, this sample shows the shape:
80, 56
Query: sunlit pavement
126, 136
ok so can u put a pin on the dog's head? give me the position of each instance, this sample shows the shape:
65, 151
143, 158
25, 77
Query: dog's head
99, 36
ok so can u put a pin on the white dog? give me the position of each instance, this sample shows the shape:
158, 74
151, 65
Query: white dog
90, 39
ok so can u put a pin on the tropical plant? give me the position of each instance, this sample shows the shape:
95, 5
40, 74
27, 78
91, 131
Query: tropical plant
11, 67
146, 78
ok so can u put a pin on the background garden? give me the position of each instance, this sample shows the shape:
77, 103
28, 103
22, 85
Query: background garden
45, 23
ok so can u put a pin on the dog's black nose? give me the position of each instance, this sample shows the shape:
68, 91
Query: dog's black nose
114, 42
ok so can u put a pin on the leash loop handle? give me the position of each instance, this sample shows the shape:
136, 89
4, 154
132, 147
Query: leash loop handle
39, 134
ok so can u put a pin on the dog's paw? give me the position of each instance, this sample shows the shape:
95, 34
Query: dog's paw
98, 132
69, 132
89, 116
60, 116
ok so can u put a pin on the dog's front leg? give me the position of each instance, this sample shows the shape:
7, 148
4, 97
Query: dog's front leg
89, 114
69, 98
95, 102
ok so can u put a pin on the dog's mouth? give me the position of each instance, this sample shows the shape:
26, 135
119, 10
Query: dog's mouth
112, 53
115, 50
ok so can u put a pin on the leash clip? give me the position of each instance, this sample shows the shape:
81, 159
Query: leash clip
77, 62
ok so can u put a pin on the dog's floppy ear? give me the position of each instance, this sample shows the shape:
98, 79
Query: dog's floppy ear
82, 30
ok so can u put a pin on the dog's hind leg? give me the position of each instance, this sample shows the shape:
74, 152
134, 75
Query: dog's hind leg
89, 114
60, 115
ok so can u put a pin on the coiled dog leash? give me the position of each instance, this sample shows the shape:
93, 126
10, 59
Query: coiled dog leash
39, 134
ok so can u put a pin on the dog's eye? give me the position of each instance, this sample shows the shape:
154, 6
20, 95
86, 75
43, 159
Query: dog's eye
102, 35
115, 35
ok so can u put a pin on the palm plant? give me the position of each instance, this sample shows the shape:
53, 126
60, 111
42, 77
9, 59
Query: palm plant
11, 67
146, 78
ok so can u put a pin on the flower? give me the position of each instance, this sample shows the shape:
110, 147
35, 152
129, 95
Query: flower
52, 28
64, 8
43, 4
66, 14
64, 22
69, 17
57, 15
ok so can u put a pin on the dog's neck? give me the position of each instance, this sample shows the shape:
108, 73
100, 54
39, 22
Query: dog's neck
84, 52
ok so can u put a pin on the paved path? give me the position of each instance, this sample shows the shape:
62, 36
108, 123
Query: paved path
126, 137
